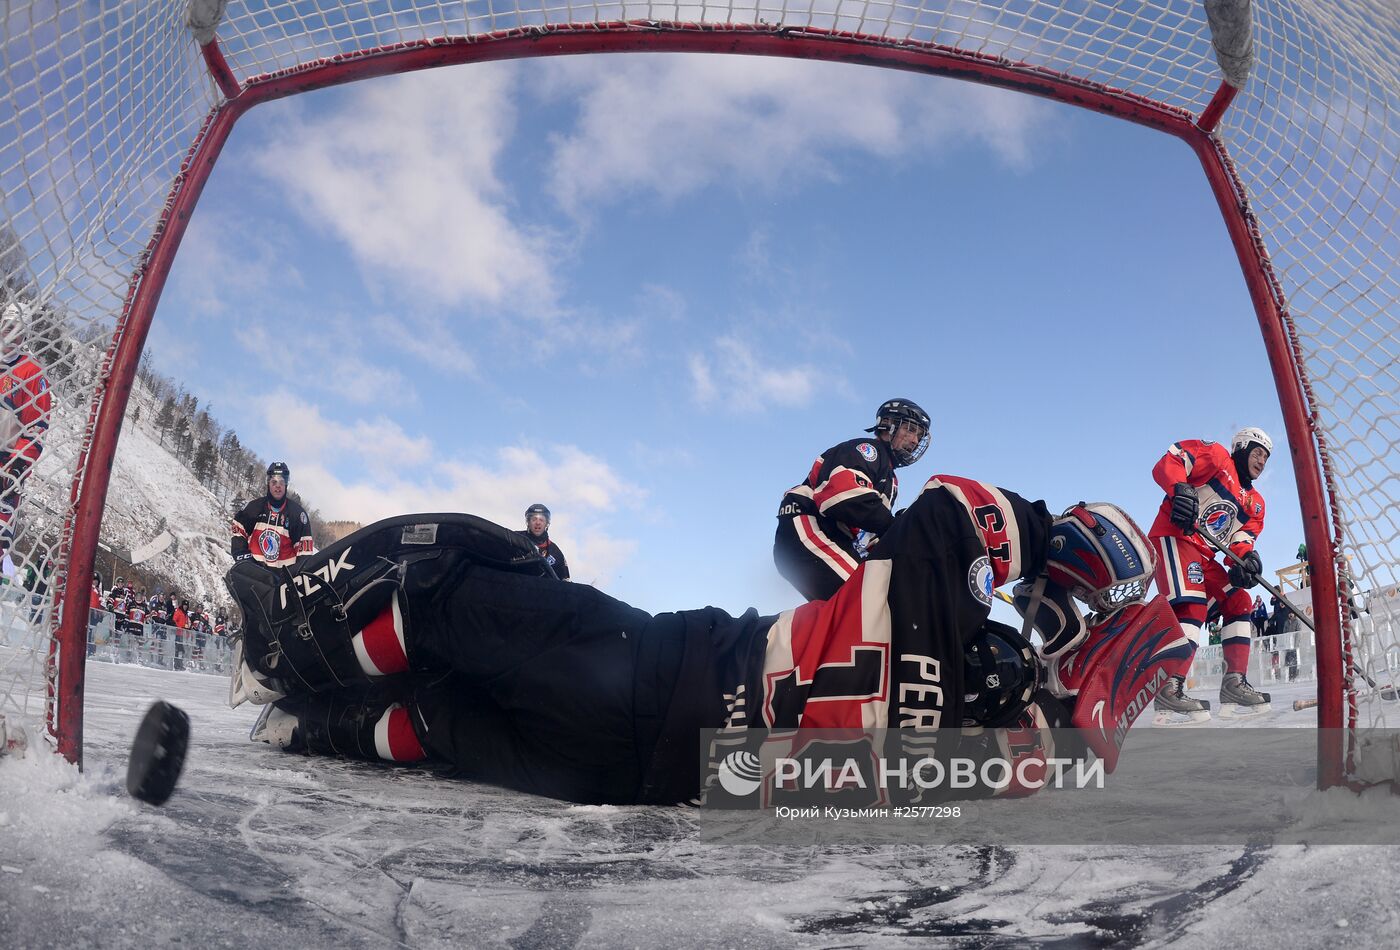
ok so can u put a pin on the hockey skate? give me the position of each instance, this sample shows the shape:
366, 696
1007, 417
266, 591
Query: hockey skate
1240, 700
278, 728
245, 686
1172, 707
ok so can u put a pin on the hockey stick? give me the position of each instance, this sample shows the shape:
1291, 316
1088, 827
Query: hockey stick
1386, 692
1277, 594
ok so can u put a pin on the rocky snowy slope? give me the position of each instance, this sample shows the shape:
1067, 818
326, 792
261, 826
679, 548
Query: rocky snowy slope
151, 491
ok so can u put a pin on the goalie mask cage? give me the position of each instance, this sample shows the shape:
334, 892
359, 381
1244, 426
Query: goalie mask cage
114, 113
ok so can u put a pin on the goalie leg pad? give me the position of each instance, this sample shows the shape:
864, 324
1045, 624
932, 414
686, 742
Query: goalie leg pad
380, 647
1117, 672
356, 723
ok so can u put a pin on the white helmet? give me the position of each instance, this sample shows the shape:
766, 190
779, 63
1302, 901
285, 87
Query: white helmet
1250, 434
11, 326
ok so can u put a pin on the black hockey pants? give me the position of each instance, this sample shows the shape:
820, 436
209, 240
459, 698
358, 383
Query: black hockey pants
558, 689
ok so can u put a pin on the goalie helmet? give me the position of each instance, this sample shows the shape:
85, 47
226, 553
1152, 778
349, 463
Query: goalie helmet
1100, 555
887, 419
1000, 675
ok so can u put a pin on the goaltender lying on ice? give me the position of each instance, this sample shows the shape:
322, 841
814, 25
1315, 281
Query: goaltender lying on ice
437, 636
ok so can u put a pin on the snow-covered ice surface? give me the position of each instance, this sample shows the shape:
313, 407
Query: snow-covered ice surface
257, 848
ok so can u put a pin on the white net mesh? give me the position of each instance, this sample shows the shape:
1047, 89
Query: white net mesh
100, 110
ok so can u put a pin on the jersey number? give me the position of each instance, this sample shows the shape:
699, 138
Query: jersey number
859, 680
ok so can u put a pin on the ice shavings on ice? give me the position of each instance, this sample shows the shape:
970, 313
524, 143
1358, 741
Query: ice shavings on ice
257, 847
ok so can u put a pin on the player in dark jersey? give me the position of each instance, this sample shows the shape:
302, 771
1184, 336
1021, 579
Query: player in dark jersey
850, 489
434, 636
537, 533
273, 530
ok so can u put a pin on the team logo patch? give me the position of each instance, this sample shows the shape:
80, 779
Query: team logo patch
1195, 573
867, 451
270, 545
303, 518
1217, 517
980, 580
1257, 508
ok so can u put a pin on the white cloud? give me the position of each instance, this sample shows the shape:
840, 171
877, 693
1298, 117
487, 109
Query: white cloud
403, 170
733, 377
404, 474
673, 124
380, 444
328, 361
225, 260
429, 340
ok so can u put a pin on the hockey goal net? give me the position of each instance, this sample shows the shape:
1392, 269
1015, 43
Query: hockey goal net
111, 120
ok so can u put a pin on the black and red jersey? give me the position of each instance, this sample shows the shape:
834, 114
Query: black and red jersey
274, 533
887, 649
551, 553
851, 487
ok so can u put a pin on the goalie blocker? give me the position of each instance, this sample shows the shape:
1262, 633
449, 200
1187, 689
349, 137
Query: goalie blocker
436, 637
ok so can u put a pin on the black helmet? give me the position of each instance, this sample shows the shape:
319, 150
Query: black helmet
537, 509
279, 470
888, 417
1000, 674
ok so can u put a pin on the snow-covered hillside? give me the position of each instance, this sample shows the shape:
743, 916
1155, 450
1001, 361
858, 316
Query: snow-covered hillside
150, 491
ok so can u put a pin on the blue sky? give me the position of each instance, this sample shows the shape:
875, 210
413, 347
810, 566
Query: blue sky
649, 290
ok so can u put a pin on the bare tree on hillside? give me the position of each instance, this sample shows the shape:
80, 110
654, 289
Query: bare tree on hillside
204, 459
165, 420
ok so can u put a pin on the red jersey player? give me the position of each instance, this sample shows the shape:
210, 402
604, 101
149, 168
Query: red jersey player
25, 404
1210, 490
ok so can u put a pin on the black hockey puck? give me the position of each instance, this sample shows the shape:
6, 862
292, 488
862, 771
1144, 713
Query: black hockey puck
158, 754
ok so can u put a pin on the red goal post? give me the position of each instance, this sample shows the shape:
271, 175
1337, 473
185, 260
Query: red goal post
113, 123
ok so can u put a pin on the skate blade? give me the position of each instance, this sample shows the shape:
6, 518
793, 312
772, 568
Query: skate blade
1237, 711
275, 727
1165, 717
